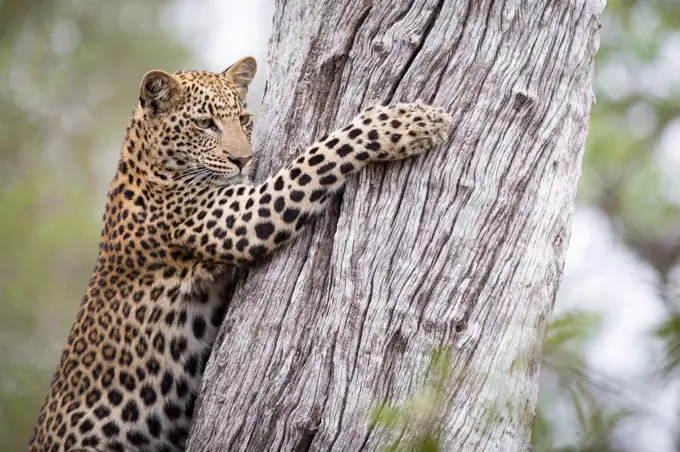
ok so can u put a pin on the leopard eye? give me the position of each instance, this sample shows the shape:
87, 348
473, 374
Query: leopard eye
245, 119
205, 123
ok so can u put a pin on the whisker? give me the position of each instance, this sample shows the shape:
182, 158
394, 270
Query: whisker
206, 177
202, 177
199, 173
189, 172
195, 179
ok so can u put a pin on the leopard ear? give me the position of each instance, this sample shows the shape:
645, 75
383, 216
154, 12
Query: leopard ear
241, 74
158, 91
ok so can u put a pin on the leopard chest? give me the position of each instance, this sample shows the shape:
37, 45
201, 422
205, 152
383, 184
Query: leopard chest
181, 346
148, 357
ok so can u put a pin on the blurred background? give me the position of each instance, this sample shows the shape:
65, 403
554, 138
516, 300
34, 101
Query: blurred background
69, 73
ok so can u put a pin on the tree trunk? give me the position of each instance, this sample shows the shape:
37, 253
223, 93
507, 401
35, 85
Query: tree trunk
462, 247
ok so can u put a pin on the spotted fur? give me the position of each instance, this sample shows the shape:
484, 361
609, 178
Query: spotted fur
180, 216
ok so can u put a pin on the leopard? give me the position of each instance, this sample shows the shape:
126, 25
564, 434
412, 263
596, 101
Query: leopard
181, 214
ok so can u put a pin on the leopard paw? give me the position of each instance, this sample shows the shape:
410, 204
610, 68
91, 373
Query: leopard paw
404, 130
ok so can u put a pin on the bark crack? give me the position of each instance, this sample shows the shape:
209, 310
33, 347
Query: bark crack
436, 11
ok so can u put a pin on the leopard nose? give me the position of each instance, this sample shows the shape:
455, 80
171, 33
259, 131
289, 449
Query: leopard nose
240, 162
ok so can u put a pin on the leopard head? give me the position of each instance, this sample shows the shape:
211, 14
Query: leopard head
196, 125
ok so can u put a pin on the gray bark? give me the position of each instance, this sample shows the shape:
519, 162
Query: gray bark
461, 247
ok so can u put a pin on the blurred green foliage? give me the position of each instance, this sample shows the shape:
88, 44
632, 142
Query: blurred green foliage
417, 422
625, 175
638, 97
68, 77
563, 348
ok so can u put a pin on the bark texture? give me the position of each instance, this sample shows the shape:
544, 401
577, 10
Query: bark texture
463, 246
